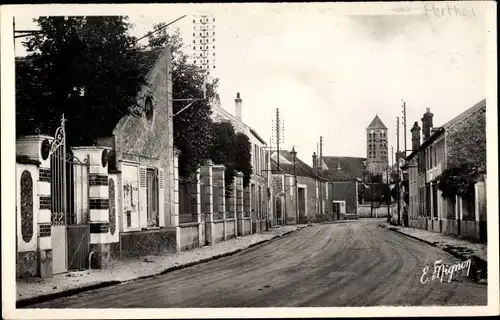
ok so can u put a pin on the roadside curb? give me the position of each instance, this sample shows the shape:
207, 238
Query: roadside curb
481, 264
70, 292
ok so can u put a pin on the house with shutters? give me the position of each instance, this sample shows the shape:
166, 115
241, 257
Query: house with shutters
462, 216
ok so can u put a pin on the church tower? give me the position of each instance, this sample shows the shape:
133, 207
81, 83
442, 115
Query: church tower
377, 154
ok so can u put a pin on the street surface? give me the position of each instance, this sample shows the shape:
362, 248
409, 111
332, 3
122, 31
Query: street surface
348, 264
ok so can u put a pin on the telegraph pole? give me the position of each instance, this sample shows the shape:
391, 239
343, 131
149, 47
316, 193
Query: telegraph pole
397, 172
320, 167
404, 124
278, 134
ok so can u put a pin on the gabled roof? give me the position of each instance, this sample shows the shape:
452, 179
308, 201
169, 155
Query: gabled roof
480, 106
376, 124
464, 115
352, 166
337, 175
286, 166
148, 59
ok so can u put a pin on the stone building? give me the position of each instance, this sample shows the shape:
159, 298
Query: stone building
377, 154
465, 217
113, 200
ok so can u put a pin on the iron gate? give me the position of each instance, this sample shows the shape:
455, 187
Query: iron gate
69, 205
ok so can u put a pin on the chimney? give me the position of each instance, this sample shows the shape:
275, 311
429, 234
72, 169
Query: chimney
237, 104
427, 123
415, 136
315, 160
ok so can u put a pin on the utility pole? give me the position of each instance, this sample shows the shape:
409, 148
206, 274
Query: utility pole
320, 167
278, 135
397, 172
204, 41
294, 154
404, 124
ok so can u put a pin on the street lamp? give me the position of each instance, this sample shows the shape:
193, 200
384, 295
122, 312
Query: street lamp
294, 155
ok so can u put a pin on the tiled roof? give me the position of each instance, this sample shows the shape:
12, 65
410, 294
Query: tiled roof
352, 166
464, 115
337, 175
377, 124
148, 59
302, 169
481, 105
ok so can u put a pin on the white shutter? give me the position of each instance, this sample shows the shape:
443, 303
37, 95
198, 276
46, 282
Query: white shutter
143, 213
161, 197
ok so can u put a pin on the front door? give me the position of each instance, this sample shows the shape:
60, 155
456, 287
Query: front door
278, 210
336, 210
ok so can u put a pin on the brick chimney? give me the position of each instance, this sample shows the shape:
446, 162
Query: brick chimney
415, 136
237, 104
315, 160
427, 123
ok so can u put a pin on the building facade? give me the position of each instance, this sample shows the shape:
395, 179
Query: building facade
462, 216
301, 202
257, 196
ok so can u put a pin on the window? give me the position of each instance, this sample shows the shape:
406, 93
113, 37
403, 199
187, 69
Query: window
152, 198
148, 109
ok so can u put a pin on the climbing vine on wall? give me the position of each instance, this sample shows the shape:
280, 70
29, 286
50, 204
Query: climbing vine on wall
466, 149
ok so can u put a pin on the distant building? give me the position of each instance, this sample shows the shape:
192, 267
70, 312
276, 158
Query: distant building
376, 147
302, 202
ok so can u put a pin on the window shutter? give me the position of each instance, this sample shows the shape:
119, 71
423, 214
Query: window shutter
161, 196
143, 206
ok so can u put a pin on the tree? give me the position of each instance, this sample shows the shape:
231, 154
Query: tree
243, 157
466, 147
233, 150
85, 67
193, 126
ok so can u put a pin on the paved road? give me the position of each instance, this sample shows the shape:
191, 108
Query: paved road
330, 265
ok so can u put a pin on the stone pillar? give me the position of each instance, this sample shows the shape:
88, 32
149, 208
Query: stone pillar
195, 194
44, 216
175, 212
98, 217
239, 203
35, 253
206, 174
219, 194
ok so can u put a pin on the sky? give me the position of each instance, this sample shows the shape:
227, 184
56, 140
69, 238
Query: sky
330, 70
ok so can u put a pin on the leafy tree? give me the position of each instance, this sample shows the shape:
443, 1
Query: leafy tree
85, 67
193, 126
243, 157
233, 150
466, 147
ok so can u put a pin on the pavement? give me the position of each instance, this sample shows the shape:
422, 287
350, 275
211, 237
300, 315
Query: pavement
35, 290
353, 264
460, 248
